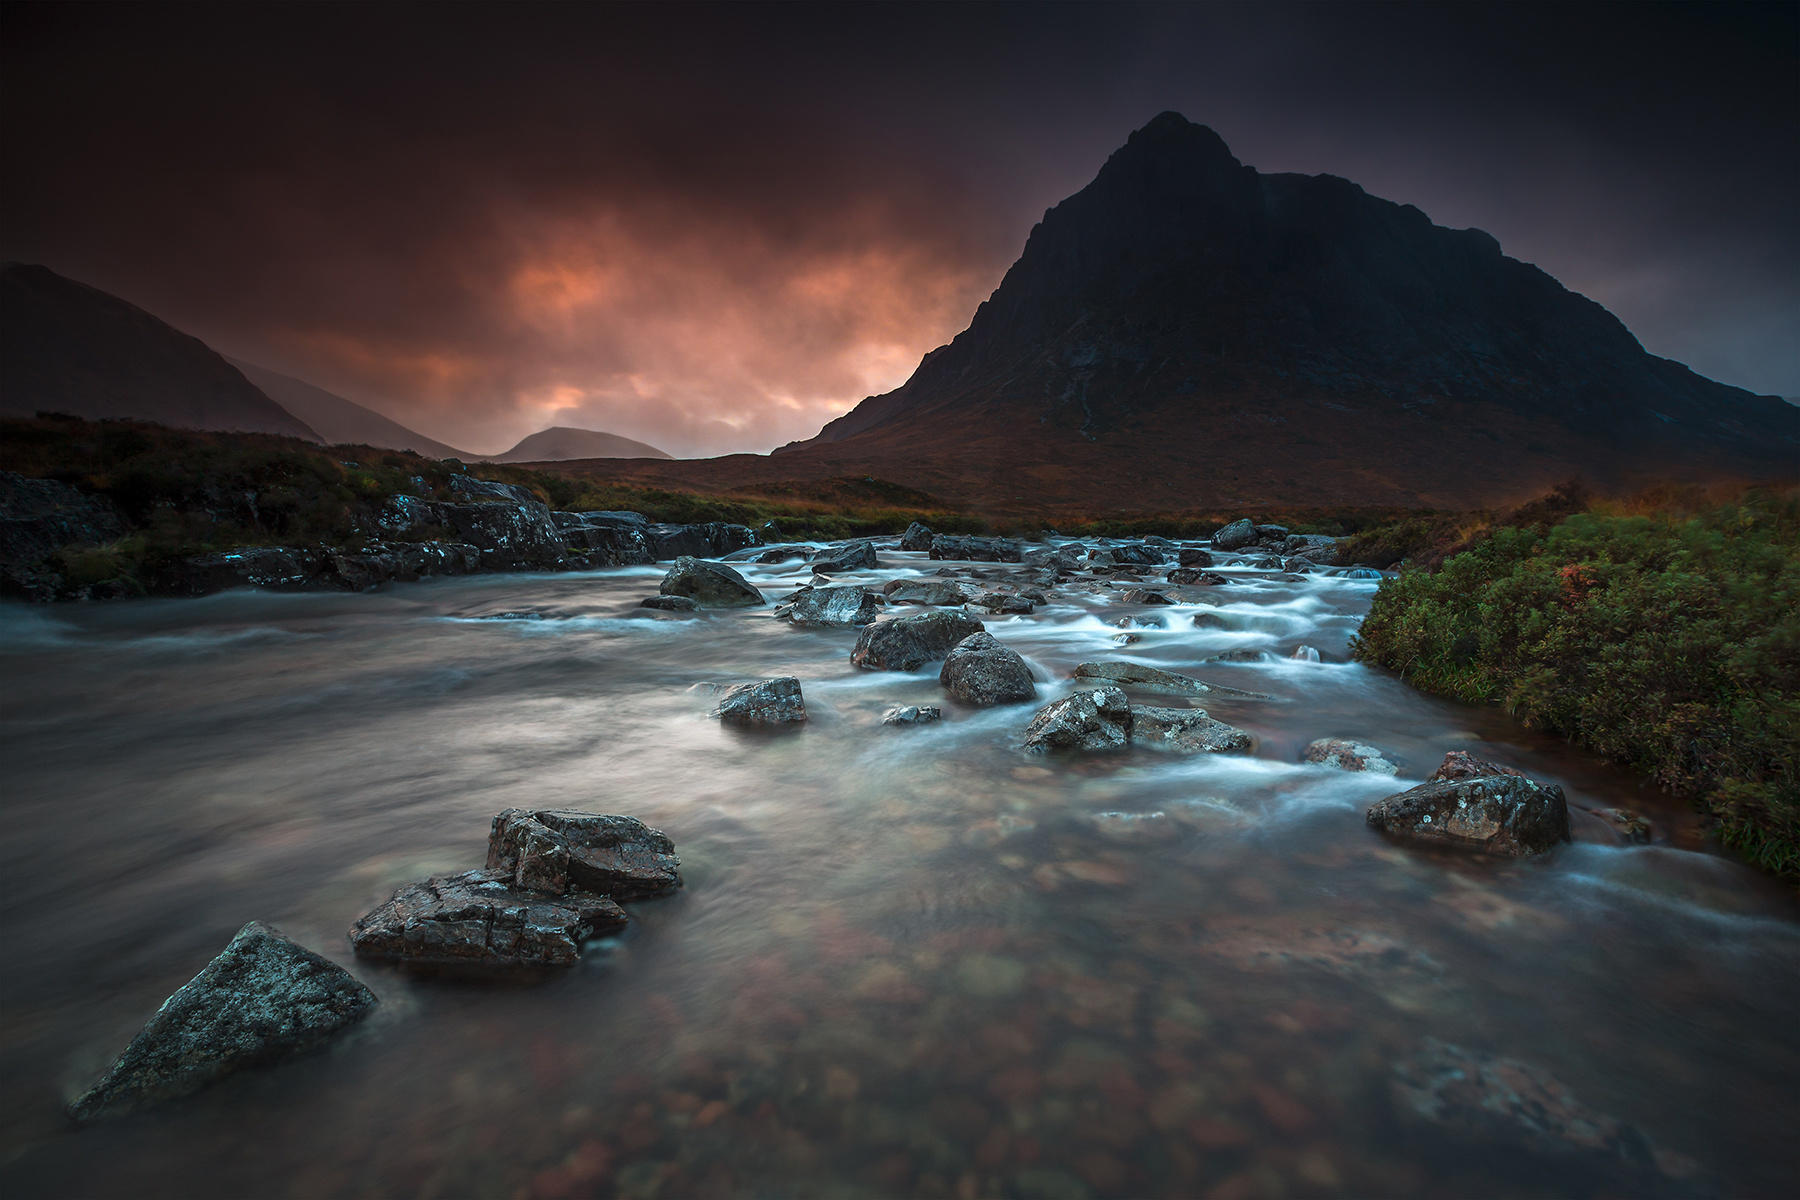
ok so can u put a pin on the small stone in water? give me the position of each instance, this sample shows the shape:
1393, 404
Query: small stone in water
913, 714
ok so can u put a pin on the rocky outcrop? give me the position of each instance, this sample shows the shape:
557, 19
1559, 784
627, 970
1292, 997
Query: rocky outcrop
913, 714
917, 537
975, 549
490, 489
765, 703
851, 556
979, 670
709, 584
1186, 731
841, 605
908, 643
1347, 755
1096, 720
606, 539
263, 998
1505, 815
39, 517
706, 540
1140, 678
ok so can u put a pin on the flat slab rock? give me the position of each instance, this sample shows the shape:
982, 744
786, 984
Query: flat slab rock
1501, 813
480, 919
1103, 720
842, 604
558, 850
264, 997
1186, 731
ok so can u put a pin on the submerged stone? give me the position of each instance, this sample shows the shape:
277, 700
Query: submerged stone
481, 919
263, 997
1140, 678
1185, 730
1347, 755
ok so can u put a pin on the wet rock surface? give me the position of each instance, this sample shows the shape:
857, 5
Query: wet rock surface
263, 998
1506, 815
842, 604
1186, 731
1140, 678
613, 855
908, 643
851, 556
1347, 755
768, 702
670, 603
1092, 720
709, 584
926, 591
913, 714
981, 671
480, 919
975, 549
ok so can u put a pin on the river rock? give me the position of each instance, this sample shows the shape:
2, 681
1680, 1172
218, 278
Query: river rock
1347, 755
916, 537
1193, 556
670, 603
980, 670
1002, 603
1124, 555
908, 643
1235, 536
709, 584
557, 850
1506, 815
1096, 720
263, 997
1140, 678
1185, 730
975, 549
925, 591
844, 604
851, 556
1489, 1100
913, 714
479, 919
768, 702
1147, 596
780, 554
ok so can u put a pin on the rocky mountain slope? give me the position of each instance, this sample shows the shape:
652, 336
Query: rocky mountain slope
69, 348
1186, 331
340, 421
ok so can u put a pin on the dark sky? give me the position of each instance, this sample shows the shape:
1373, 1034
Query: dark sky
714, 228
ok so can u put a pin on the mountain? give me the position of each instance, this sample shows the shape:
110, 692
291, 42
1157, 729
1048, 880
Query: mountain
66, 347
559, 442
1186, 331
340, 421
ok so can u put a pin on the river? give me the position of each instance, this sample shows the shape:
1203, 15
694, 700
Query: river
907, 961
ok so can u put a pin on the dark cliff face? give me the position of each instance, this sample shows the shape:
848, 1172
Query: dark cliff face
1183, 294
69, 348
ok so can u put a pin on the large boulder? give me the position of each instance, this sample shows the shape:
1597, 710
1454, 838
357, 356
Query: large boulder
908, 643
926, 591
1096, 720
1347, 755
980, 670
1235, 536
709, 584
851, 556
916, 537
766, 702
557, 850
1186, 731
1193, 556
1506, 815
264, 997
1140, 678
508, 535
975, 549
479, 919
842, 605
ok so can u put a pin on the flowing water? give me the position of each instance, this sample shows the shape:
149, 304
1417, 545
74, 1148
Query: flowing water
907, 961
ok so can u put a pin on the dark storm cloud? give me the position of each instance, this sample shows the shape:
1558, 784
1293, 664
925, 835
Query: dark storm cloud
715, 228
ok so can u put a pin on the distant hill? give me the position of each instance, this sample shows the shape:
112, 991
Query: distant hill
560, 443
342, 421
70, 348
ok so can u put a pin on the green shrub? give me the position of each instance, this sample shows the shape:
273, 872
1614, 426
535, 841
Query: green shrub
1667, 642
